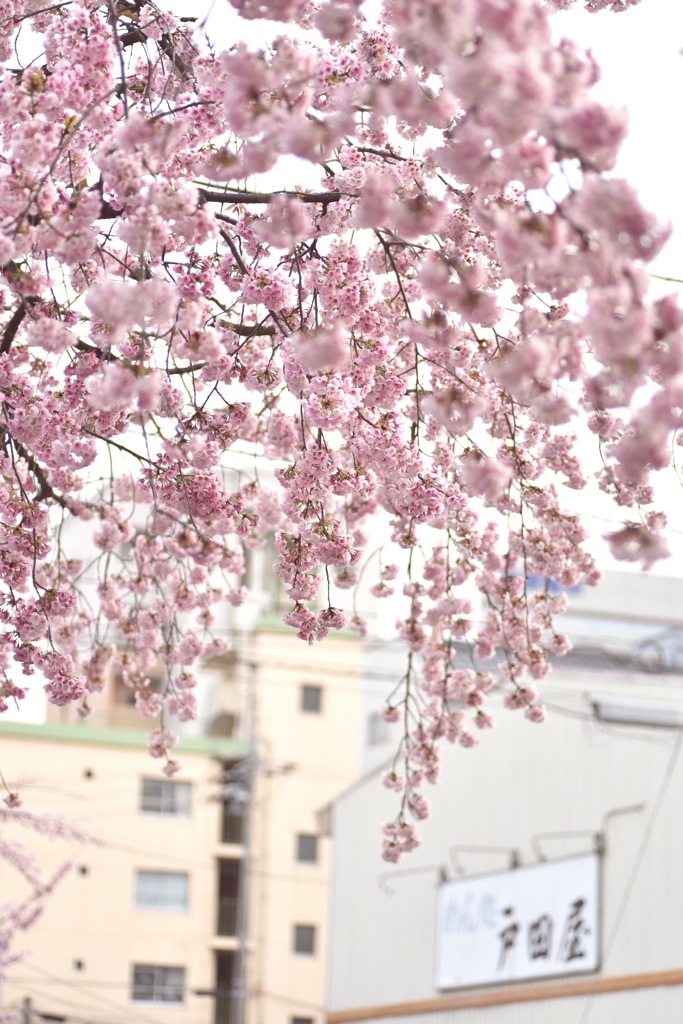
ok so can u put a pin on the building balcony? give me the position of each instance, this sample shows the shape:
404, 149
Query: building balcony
227, 916
232, 827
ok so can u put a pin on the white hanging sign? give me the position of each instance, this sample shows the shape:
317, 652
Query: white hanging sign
532, 922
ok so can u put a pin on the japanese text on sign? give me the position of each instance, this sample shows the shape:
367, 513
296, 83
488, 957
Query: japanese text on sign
531, 922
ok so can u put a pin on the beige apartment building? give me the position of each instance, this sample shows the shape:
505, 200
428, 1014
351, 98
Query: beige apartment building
130, 932
152, 923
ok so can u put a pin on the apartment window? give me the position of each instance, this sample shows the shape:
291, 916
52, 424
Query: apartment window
232, 822
225, 968
155, 984
304, 939
162, 890
164, 796
307, 849
152, 680
226, 723
312, 699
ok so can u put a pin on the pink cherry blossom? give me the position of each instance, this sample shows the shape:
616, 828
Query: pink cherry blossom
202, 353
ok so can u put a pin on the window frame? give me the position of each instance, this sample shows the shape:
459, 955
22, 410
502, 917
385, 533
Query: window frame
313, 690
160, 983
167, 807
160, 904
124, 696
299, 931
300, 859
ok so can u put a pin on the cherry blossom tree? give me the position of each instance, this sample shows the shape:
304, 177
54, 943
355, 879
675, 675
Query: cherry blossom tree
428, 332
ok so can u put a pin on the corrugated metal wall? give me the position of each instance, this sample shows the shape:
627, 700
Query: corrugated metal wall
564, 776
663, 1005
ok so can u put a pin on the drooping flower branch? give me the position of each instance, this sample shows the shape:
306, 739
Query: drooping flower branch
422, 333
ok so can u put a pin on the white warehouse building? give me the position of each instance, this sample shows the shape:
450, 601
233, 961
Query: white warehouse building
548, 886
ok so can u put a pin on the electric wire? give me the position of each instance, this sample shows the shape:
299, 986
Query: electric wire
292, 1001
124, 1011
130, 1016
43, 1015
637, 863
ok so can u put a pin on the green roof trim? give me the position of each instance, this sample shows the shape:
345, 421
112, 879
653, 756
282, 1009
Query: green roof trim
271, 623
218, 746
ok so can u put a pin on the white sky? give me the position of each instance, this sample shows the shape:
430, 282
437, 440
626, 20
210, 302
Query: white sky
639, 52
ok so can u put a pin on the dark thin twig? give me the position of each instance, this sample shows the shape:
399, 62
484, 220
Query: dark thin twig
237, 197
46, 489
10, 331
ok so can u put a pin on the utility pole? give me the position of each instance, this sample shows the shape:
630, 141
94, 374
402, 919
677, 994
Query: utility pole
239, 784
238, 994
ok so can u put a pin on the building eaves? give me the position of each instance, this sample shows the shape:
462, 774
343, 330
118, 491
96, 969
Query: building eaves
212, 746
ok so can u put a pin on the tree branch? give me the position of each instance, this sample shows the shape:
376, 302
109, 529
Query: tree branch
10, 331
136, 35
249, 330
46, 490
116, 444
254, 198
236, 198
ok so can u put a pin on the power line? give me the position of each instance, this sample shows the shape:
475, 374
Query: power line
90, 1019
128, 1017
99, 999
33, 1012
292, 1001
640, 856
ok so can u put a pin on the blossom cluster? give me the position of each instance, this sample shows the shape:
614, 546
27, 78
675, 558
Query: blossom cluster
421, 336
